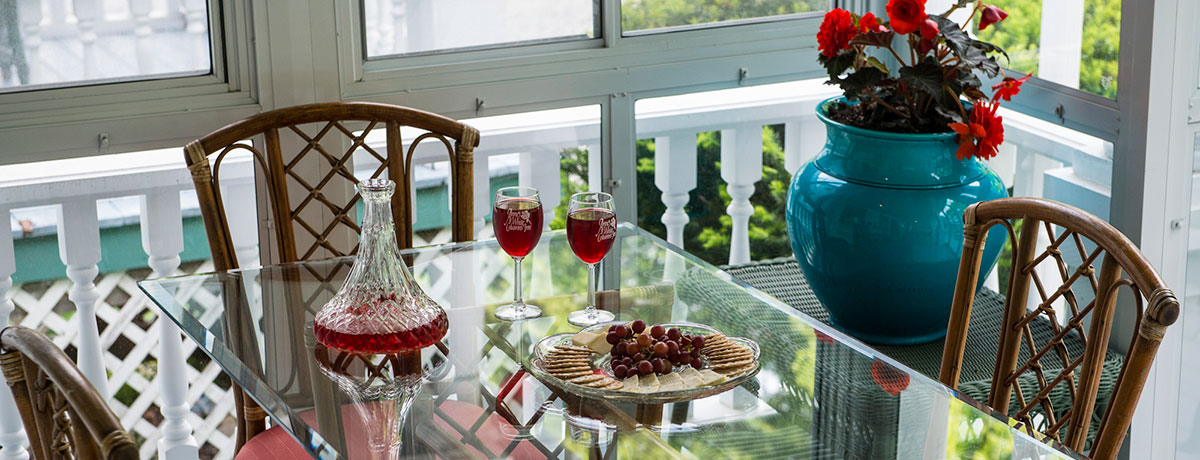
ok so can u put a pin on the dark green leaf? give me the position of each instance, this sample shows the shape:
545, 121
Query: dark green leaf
926, 76
838, 64
876, 63
950, 112
956, 39
881, 39
988, 48
861, 80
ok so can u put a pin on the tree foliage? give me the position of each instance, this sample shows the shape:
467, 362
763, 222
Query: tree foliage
654, 14
1020, 36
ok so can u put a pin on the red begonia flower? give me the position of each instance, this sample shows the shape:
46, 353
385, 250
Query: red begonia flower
1008, 88
990, 15
835, 33
906, 16
889, 378
983, 135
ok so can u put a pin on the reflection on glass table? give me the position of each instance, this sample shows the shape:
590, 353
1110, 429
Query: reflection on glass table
819, 393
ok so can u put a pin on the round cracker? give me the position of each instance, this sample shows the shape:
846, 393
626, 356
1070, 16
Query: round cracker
571, 375
601, 383
615, 385
734, 372
732, 364
566, 348
585, 379
731, 358
730, 352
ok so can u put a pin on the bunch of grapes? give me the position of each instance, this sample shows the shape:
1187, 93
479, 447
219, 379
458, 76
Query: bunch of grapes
640, 351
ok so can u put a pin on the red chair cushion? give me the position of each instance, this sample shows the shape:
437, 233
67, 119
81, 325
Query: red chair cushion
495, 434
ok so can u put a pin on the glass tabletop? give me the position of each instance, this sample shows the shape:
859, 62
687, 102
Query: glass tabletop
819, 393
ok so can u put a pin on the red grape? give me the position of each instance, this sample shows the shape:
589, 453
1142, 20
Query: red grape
639, 357
667, 368
662, 338
674, 357
644, 340
645, 368
620, 371
612, 338
658, 330
698, 342
614, 351
674, 333
695, 352
696, 364
638, 326
661, 349
658, 365
672, 347
621, 330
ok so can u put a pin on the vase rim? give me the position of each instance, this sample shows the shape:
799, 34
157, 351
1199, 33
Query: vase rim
875, 133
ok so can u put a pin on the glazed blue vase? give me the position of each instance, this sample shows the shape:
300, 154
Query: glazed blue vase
875, 222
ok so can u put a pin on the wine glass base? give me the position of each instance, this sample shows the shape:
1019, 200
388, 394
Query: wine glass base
516, 312
584, 318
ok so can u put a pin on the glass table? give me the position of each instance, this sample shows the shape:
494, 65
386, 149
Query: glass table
820, 393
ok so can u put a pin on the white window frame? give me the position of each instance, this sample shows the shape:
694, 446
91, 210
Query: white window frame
613, 71
91, 119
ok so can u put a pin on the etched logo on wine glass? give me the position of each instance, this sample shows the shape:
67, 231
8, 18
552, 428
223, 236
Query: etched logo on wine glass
518, 222
607, 230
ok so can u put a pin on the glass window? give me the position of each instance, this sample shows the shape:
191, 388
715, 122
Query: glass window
639, 15
1073, 43
54, 43
399, 27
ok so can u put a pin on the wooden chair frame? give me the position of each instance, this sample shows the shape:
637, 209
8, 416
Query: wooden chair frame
205, 155
1120, 256
62, 413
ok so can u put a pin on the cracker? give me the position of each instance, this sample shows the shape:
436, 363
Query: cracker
557, 356
730, 359
571, 348
736, 371
615, 385
732, 352
566, 363
601, 383
585, 379
721, 349
732, 364
571, 375
713, 336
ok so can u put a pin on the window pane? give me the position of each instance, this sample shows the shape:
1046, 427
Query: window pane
395, 27
658, 14
1073, 43
57, 43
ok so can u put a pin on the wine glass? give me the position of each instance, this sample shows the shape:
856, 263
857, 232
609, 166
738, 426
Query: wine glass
517, 222
591, 231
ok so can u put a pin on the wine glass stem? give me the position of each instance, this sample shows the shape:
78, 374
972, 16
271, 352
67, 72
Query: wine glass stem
591, 299
518, 302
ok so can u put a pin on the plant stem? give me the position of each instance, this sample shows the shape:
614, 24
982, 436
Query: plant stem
972, 16
958, 101
896, 55
885, 105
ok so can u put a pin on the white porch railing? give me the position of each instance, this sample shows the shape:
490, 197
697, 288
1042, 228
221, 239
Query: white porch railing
1038, 159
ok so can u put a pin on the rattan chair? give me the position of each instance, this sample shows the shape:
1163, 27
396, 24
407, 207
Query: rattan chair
291, 194
1017, 353
64, 416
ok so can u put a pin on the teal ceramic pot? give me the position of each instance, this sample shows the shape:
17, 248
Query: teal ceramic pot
875, 221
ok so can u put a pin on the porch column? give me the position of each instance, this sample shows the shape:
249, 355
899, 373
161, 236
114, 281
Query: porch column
12, 434
79, 249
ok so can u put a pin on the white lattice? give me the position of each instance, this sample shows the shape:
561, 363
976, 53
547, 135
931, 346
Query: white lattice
131, 330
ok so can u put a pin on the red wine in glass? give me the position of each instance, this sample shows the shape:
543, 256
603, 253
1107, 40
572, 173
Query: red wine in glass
518, 225
517, 221
591, 233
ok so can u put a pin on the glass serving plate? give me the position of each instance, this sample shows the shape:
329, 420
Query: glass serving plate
537, 368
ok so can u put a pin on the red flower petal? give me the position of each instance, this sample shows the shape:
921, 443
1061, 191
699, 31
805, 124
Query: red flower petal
990, 15
835, 33
929, 29
906, 16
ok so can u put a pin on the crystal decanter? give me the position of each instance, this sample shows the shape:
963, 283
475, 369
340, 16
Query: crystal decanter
379, 309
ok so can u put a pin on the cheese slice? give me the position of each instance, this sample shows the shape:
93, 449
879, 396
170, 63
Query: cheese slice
709, 377
670, 382
597, 341
631, 384
648, 383
691, 378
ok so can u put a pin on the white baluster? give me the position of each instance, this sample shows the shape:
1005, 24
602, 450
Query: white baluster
58, 11
140, 9
541, 170
482, 179
88, 12
372, 20
595, 168
31, 32
162, 239
741, 167
1061, 41
399, 29
196, 17
419, 20
79, 249
12, 436
802, 140
196, 14
675, 176
242, 214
